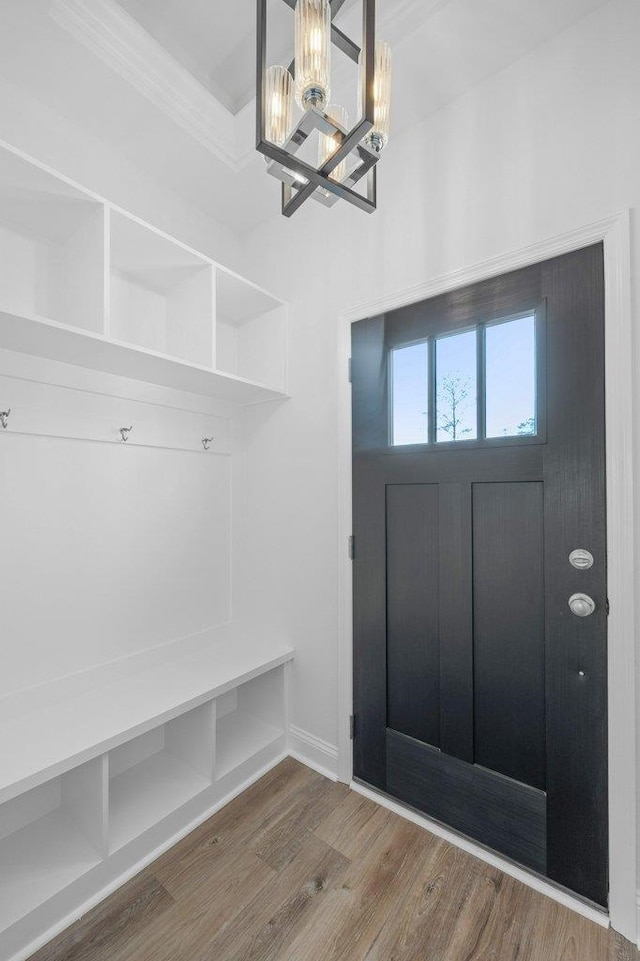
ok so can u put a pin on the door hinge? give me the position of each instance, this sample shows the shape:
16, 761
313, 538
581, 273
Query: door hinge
608, 608
350, 368
352, 727
352, 547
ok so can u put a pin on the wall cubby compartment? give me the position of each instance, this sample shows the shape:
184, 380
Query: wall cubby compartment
51, 247
87, 283
161, 294
153, 775
248, 719
49, 838
251, 331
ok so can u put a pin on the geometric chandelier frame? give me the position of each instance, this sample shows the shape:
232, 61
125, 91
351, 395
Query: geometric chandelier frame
300, 180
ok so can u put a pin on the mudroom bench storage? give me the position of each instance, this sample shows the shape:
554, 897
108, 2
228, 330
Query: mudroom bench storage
94, 784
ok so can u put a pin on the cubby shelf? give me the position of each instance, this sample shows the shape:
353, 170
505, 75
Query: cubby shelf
49, 837
38, 861
52, 246
86, 283
240, 736
248, 719
155, 774
148, 792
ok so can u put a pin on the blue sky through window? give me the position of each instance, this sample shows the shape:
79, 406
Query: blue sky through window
510, 385
456, 386
511, 378
410, 394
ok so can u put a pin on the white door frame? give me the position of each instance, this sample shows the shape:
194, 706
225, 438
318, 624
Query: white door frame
615, 233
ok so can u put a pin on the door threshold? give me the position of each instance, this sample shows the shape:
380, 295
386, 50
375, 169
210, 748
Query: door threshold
587, 909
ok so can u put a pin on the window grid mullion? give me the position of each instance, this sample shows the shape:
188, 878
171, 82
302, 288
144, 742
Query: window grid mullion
431, 436
481, 379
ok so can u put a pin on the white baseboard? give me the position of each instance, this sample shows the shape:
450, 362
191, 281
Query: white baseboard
593, 913
638, 917
314, 752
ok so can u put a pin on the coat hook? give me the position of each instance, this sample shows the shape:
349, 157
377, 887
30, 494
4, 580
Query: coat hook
207, 441
4, 418
124, 433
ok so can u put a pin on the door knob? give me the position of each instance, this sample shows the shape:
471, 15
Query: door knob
581, 605
581, 559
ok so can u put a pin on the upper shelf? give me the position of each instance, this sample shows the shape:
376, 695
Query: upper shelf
45, 338
87, 283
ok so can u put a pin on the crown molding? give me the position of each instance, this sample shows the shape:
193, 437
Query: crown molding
114, 36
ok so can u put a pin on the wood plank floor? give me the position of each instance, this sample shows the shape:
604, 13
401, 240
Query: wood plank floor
301, 869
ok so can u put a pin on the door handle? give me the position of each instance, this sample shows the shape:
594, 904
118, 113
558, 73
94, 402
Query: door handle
581, 605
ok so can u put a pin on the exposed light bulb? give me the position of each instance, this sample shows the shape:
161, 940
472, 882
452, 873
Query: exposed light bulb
329, 143
298, 177
313, 53
278, 105
378, 137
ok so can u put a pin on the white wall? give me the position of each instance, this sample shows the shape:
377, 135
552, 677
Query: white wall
548, 145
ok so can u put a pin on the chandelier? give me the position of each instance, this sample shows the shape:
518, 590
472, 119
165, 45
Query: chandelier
294, 109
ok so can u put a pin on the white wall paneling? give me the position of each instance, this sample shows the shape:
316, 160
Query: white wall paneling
115, 548
47, 410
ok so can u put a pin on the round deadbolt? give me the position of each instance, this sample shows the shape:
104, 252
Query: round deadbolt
581, 559
581, 605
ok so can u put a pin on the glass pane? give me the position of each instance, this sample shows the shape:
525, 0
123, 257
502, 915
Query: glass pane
410, 379
456, 387
511, 378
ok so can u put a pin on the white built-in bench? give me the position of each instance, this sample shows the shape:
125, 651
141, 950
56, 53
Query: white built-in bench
100, 772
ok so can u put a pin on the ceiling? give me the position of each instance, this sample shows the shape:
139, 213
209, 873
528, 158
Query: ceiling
167, 84
215, 41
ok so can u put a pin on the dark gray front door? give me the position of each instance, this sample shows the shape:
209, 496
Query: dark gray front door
478, 468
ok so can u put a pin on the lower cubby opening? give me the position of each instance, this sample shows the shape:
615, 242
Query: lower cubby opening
49, 837
153, 775
248, 719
